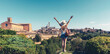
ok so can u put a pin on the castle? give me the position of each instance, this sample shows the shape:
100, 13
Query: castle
16, 27
20, 28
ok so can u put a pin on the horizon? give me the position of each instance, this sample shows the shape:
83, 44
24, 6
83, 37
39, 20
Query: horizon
57, 28
86, 13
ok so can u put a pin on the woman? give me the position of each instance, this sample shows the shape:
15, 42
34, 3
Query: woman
63, 26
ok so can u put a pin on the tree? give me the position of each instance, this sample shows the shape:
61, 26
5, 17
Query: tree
37, 49
49, 46
37, 38
44, 43
68, 46
98, 45
15, 44
7, 32
51, 49
75, 43
42, 50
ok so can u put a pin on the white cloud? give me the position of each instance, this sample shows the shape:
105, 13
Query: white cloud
92, 22
104, 24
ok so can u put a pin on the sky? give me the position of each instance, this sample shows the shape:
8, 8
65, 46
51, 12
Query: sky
87, 13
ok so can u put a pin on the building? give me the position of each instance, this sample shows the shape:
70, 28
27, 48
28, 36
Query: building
16, 27
20, 28
0, 26
49, 30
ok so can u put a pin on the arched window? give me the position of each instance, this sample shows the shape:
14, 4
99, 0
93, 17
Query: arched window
6, 25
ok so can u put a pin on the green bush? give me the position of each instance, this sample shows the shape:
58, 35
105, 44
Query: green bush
44, 43
37, 49
42, 50
51, 49
37, 38
49, 46
68, 46
75, 43
14, 44
98, 45
7, 32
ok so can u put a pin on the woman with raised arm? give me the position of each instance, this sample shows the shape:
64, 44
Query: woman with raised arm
64, 29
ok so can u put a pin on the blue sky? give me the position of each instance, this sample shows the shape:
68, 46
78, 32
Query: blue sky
87, 13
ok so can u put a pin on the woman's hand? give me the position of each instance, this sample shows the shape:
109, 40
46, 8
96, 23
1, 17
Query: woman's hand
69, 21
71, 17
55, 18
57, 21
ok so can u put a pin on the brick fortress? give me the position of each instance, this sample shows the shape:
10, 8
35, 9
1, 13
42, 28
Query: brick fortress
24, 28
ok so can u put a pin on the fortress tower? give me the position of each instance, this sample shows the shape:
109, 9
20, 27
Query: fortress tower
9, 19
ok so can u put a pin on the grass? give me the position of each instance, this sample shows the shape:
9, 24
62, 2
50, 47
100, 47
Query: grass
65, 53
60, 52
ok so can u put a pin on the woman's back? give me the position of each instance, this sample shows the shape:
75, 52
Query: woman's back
63, 31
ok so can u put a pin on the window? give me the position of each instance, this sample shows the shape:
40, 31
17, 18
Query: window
6, 25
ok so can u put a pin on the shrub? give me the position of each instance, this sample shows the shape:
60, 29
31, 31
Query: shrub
75, 43
51, 49
44, 43
37, 38
49, 46
98, 45
14, 44
7, 32
42, 50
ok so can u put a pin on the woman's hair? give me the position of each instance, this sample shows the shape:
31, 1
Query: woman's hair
63, 23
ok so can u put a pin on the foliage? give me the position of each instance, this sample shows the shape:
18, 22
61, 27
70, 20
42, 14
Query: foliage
14, 44
37, 38
87, 35
51, 49
98, 45
53, 44
49, 46
68, 46
37, 49
7, 32
22, 35
75, 43
42, 50
44, 43
80, 43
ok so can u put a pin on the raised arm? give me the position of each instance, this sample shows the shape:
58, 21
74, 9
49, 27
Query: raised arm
57, 21
69, 21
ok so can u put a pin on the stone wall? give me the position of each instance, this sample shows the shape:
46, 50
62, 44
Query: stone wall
20, 28
27, 27
16, 27
6, 25
46, 37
